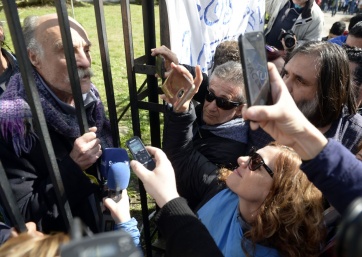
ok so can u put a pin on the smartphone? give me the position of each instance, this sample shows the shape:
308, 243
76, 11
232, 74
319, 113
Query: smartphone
255, 68
178, 88
160, 66
139, 152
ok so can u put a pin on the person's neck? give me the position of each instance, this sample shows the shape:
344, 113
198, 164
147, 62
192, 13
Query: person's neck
3, 63
325, 128
62, 95
248, 210
299, 5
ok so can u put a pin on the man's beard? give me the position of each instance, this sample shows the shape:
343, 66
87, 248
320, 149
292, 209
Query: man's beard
310, 110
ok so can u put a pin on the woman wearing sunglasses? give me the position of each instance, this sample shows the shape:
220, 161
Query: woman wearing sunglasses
266, 207
219, 132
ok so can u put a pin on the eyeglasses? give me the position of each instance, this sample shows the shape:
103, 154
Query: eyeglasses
256, 161
222, 103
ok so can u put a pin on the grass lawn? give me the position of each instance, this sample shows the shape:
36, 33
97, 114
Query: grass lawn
85, 15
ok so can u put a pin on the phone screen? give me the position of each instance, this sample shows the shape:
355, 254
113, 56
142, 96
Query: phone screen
255, 69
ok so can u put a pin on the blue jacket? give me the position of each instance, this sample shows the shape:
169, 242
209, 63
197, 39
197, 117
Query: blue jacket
340, 40
337, 173
131, 228
223, 210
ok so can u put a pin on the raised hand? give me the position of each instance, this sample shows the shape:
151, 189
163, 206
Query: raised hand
159, 183
284, 121
168, 55
181, 78
119, 210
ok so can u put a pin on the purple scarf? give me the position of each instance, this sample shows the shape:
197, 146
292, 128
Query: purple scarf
16, 118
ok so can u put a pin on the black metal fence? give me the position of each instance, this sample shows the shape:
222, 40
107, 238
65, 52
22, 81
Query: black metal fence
146, 99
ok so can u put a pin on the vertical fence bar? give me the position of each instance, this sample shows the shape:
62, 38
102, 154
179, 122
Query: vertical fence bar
133, 94
8, 200
129, 54
106, 67
152, 82
148, 15
77, 94
12, 17
71, 64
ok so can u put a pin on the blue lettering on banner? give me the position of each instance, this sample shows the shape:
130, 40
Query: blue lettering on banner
215, 10
186, 43
219, 20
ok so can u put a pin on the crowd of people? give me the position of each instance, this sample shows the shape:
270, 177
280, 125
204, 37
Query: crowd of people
230, 179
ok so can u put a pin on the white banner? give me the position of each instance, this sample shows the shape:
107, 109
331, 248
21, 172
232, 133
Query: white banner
198, 26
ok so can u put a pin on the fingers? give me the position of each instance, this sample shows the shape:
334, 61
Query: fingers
95, 147
165, 98
159, 183
259, 113
198, 79
86, 149
13, 233
143, 172
186, 74
167, 54
119, 210
125, 194
167, 73
93, 129
281, 99
139, 170
157, 153
182, 70
32, 230
160, 50
31, 226
276, 81
91, 149
359, 156
109, 203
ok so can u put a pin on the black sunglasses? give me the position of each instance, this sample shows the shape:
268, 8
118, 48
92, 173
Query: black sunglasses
256, 161
221, 102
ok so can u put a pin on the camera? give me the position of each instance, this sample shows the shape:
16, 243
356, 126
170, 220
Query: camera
288, 36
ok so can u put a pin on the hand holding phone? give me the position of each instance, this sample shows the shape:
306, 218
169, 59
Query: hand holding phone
255, 68
178, 88
139, 152
161, 183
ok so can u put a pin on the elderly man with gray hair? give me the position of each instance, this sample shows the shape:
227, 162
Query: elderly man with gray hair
20, 148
